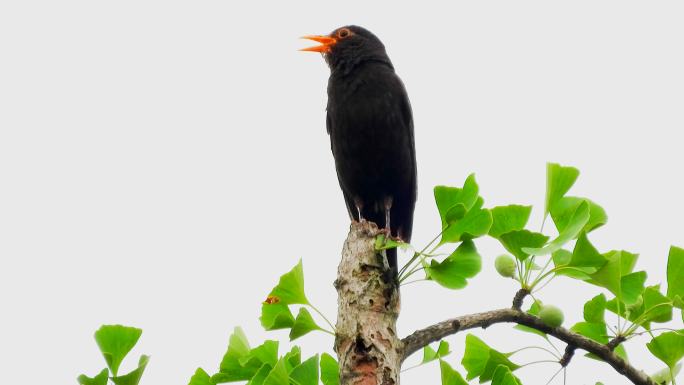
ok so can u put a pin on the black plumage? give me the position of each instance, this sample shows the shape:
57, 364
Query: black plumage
370, 123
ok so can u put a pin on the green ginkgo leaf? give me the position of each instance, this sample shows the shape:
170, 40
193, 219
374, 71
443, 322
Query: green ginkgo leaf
585, 254
504, 376
559, 180
275, 316
562, 210
480, 360
461, 212
430, 354
261, 374
133, 378
115, 341
293, 358
453, 273
306, 373
290, 289
595, 309
632, 286
232, 367
675, 273
100, 379
657, 307
518, 240
455, 213
595, 331
475, 223
448, 197
384, 243
450, 376
330, 370
200, 377
496, 359
652, 306
616, 275
508, 218
303, 324
666, 375
668, 347
278, 375
570, 232
266, 353
475, 357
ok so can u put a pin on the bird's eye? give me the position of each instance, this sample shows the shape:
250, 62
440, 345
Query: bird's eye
344, 32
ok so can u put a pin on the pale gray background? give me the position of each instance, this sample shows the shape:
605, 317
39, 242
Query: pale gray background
163, 162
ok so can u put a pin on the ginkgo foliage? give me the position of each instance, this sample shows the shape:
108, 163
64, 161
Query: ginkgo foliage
451, 260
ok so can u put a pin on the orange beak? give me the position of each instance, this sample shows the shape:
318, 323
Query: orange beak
326, 43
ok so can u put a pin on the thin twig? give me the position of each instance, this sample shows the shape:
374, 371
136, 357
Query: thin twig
519, 298
567, 356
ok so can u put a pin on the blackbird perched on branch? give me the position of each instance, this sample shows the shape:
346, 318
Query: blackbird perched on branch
370, 123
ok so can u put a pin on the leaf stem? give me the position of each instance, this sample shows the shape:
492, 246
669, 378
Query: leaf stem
555, 375
637, 322
418, 266
416, 269
553, 346
619, 330
544, 285
537, 280
615, 333
536, 347
540, 362
314, 308
519, 266
416, 255
415, 366
528, 271
659, 329
560, 268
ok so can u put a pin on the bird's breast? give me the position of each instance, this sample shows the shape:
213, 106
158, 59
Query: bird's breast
369, 133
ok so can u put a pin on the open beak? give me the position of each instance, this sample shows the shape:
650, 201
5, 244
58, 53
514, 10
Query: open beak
326, 43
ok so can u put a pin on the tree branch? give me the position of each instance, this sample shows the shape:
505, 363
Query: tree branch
436, 332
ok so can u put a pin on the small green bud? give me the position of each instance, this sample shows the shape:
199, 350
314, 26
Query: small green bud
505, 265
551, 315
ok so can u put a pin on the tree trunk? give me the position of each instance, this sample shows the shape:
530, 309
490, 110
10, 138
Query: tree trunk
366, 343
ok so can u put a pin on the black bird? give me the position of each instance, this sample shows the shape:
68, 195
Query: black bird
370, 123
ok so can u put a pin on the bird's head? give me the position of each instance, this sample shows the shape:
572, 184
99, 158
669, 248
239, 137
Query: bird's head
347, 47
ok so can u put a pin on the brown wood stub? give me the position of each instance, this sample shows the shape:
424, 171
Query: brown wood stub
368, 306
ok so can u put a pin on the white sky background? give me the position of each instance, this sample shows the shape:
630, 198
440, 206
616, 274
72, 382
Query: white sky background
162, 163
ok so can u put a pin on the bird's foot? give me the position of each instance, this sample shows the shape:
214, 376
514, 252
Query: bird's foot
387, 232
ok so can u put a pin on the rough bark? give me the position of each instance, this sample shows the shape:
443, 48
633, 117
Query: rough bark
366, 343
